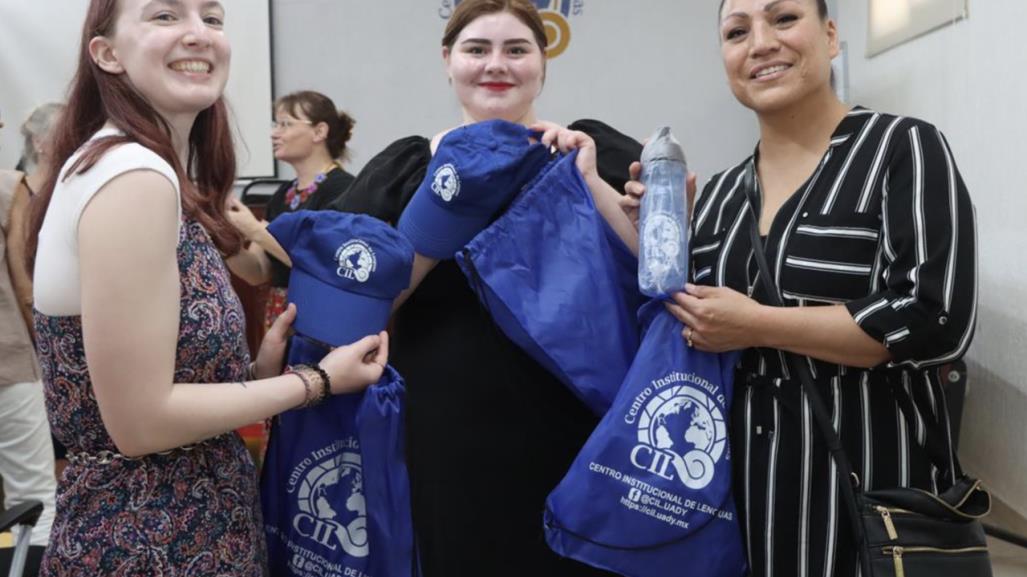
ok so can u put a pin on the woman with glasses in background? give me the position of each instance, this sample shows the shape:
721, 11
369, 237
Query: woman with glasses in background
309, 134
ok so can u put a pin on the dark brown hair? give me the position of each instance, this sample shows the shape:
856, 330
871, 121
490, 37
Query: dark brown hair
96, 97
469, 10
821, 8
318, 108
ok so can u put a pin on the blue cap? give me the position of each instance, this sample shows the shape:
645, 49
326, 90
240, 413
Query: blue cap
346, 271
476, 171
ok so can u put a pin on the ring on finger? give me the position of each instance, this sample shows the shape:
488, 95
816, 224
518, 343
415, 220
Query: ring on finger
688, 336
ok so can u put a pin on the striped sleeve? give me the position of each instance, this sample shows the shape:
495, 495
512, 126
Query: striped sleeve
926, 310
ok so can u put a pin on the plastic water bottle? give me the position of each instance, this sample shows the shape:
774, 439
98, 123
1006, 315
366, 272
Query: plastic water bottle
663, 221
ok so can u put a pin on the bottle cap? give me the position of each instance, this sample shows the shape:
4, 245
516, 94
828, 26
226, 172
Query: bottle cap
662, 146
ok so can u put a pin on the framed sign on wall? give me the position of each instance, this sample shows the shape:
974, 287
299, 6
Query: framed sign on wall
892, 22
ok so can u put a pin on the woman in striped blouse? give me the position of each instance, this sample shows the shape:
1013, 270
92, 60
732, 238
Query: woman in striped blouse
869, 232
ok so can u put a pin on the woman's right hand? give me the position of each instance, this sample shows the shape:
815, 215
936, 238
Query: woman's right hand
353, 368
631, 200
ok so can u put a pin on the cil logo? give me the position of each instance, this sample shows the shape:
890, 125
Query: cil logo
555, 16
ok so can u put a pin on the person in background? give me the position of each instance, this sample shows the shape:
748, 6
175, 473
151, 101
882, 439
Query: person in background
310, 135
36, 158
870, 232
26, 452
38, 151
140, 336
490, 432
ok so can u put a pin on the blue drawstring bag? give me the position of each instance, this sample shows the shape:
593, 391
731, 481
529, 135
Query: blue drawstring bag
649, 495
312, 490
380, 427
335, 491
560, 284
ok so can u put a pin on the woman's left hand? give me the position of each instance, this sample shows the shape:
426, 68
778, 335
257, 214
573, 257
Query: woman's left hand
271, 356
716, 319
566, 140
242, 217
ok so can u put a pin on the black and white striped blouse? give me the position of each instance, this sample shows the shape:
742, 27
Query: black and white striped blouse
884, 226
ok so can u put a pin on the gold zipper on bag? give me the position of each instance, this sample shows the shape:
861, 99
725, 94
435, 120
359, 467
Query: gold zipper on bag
888, 524
900, 570
976, 487
897, 552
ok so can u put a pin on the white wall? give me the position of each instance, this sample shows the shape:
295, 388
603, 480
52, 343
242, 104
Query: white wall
631, 67
968, 79
39, 43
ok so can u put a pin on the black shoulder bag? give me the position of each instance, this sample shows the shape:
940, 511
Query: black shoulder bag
902, 531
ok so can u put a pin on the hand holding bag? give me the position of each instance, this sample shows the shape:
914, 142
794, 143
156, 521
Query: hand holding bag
649, 495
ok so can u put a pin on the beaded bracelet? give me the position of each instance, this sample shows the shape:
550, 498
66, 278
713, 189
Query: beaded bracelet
299, 372
325, 381
314, 394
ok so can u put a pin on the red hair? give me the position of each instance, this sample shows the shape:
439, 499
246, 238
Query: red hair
96, 97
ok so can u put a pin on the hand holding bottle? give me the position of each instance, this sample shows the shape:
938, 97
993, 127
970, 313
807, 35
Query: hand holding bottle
663, 217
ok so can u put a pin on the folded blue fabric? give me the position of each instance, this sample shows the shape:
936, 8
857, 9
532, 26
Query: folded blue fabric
560, 284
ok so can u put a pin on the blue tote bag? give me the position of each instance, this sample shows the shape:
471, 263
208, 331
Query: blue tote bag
335, 491
560, 284
649, 495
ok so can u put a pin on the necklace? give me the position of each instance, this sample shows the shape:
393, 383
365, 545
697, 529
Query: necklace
296, 196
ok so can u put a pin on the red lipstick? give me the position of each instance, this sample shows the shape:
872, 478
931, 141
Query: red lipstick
496, 86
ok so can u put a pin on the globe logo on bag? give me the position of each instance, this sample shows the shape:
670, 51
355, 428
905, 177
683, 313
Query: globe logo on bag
681, 435
356, 261
325, 516
446, 182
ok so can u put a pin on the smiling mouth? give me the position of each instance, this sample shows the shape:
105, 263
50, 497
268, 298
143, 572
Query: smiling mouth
769, 71
496, 86
194, 66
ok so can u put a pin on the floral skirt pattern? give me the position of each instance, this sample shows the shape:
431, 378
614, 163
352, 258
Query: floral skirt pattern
182, 514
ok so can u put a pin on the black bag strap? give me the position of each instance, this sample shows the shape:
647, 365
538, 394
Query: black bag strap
938, 451
851, 494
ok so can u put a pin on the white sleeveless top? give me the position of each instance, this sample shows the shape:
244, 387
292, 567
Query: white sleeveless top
57, 286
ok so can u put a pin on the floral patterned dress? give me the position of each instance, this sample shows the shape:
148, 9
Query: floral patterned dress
191, 511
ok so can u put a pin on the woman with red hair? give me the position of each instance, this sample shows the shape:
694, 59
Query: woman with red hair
140, 336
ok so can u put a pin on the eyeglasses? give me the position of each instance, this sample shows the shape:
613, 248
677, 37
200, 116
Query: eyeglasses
288, 123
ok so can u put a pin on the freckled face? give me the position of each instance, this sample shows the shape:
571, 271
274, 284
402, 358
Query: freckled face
496, 68
776, 53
